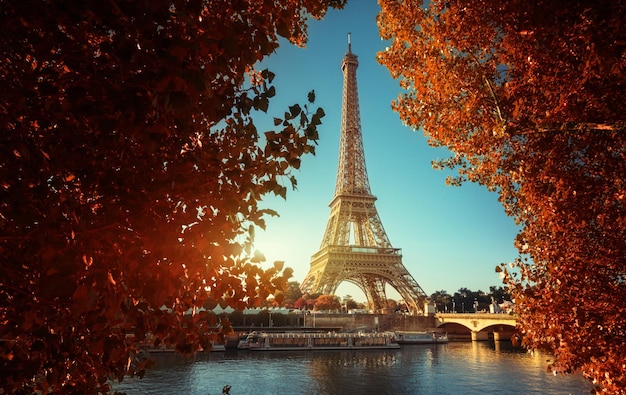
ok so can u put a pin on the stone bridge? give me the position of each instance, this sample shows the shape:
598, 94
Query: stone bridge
480, 325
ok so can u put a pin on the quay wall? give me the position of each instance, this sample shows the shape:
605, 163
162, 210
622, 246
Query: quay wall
367, 322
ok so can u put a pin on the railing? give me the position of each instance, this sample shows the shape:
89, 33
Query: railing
474, 316
358, 250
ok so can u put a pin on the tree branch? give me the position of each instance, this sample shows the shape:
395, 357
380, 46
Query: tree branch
572, 127
501, 119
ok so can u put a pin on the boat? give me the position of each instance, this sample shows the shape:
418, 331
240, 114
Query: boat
421, 337
150, 345
293, 341
215, 347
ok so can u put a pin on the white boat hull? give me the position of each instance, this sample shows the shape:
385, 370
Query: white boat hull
258, 341
421, 337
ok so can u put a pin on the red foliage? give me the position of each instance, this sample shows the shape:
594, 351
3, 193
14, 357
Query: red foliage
130, 171
327, 302
532, 101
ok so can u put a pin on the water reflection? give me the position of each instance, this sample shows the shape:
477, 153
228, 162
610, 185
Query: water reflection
453, 368
357, 359
334, 372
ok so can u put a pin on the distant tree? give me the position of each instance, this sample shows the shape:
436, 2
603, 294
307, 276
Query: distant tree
442, 299
350, 302
306, 301
499, 294
462, 299
300, 303
532, 103
327, 302
403, 306
236, 317
130, 172
292, 293
483, 299
465, 300
391, 304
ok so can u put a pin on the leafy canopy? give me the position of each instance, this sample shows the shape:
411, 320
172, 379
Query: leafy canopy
130, 171
531, 101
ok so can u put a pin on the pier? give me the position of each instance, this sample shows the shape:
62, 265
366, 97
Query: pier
458, 326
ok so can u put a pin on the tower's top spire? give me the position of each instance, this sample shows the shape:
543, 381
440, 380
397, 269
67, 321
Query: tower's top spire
349, 45
351, 172
349, 57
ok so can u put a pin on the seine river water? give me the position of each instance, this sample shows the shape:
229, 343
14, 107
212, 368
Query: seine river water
453, 368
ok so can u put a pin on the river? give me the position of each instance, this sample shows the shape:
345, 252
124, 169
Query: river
454, 368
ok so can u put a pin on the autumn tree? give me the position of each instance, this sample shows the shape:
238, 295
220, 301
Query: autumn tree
286, 296
300, 303
531, 101
306, 301
130, 172
327, 302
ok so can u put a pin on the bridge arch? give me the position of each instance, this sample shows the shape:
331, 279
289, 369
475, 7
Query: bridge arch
477, 326
496, 332
456, 331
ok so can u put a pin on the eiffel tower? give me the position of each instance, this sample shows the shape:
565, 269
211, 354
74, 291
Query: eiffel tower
355, 247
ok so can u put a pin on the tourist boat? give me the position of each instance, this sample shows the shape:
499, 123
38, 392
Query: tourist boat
163, 349
293, 341
148, 344
420, 337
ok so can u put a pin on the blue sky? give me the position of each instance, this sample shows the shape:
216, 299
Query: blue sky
450, 237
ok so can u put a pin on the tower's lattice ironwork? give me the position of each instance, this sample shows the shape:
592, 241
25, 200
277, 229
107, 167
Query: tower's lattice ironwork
355, 247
